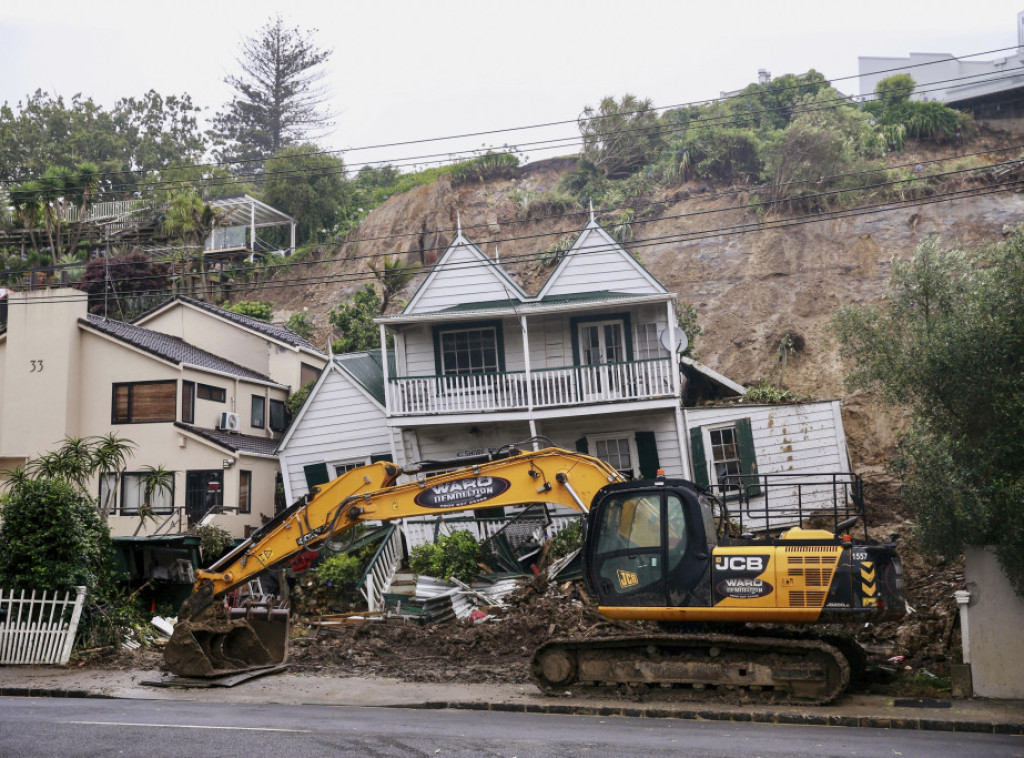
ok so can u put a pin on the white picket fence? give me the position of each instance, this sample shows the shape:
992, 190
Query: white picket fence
39, 630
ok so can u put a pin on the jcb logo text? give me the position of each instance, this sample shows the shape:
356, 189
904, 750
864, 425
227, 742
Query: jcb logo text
739, 562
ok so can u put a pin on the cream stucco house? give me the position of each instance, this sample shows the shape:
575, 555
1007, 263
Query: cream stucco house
198, 390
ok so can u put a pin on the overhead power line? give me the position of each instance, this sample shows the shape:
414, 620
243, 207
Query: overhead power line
676, 237
535, 145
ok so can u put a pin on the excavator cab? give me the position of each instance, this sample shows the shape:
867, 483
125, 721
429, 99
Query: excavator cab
648, 544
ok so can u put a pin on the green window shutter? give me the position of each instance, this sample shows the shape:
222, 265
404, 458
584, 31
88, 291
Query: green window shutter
582, 446
381, 457
700, 462
647, 452
316, 473
748, 455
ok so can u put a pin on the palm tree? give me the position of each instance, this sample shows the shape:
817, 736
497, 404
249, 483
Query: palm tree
191, 220
154, 479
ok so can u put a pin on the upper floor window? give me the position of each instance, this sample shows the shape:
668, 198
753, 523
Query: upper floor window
206, 392
278, 418
188, 402
308, 374
259, 412
475, 350
144, 402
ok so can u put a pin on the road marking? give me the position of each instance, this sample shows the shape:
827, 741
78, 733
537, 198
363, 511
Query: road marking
188, 726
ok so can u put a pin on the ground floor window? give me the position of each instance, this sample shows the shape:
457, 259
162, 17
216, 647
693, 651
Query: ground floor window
149, 489
617, 450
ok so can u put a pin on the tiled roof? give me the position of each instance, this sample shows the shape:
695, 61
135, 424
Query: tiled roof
236, 443
173, 349
273, 331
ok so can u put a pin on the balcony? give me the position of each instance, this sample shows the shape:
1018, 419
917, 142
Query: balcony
546, 388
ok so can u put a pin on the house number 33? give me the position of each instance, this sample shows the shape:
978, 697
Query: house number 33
36, 366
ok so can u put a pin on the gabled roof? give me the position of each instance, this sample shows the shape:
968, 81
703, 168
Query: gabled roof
596, 249
500, 284
172, 349
366, 370
363, 368
236, 443
278, 333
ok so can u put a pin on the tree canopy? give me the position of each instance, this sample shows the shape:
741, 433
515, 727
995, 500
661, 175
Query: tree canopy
948, 344
127, 143
310, 185
278, 96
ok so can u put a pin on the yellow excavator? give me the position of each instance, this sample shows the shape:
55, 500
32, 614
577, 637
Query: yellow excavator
657, 550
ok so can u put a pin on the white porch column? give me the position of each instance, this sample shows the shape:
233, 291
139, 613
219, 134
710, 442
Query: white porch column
252, 226
292, 248
529, 378
384, 366
674, 364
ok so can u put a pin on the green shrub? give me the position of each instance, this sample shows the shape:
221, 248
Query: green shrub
454, 555
339, 570
766, 392
213, 541
567, 540
296, 400
300, 324
52, 537
261, 310
490, 165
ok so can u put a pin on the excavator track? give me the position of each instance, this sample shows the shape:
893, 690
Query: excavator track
763, 668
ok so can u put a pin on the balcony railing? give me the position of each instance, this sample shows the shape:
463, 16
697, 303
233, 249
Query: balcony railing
572, 385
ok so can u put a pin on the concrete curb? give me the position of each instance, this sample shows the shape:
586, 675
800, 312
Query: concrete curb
651, 712
756, 717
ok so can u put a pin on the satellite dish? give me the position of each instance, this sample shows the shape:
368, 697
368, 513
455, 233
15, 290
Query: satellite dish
682, 341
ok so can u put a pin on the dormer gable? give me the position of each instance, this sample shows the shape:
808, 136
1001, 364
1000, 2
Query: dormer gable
462, 276
597, 262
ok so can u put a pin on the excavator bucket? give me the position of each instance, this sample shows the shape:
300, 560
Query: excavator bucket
223, 641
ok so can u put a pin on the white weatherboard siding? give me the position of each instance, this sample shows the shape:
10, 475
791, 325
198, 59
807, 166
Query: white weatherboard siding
597, 263
341, 423
791, 439
464, 275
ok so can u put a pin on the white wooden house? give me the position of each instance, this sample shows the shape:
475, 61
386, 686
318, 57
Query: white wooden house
589, 362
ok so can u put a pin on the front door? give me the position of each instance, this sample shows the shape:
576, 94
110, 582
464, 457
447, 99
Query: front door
204, 491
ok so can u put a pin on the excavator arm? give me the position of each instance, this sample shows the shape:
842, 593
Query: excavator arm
207, 643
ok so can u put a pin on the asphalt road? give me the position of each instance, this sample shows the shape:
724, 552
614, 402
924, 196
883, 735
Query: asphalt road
93, 727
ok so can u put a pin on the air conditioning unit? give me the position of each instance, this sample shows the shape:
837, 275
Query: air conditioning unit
230, 422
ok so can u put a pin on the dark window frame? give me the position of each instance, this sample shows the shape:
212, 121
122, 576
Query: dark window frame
188, 390
129, 385
262, 404
274, 425
211, 393
245, 507
455, 327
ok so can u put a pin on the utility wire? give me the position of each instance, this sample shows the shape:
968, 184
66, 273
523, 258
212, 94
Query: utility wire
561, 142
763, 204
678, 237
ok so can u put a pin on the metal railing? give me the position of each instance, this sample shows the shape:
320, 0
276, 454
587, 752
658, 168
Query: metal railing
767, 502
512, 390
380, 572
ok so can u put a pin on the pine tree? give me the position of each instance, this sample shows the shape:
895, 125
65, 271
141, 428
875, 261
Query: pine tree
278, 98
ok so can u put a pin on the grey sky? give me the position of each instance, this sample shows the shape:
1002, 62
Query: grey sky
405, 70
